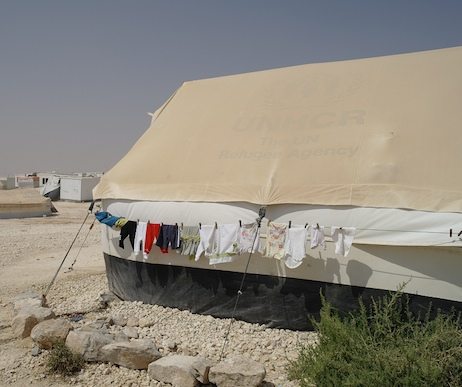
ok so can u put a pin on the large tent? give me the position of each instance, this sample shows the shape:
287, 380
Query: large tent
371, 143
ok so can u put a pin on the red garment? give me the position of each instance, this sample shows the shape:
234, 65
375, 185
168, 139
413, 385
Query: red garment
152, 233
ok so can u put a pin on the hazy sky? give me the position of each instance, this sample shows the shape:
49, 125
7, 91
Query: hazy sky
77, 77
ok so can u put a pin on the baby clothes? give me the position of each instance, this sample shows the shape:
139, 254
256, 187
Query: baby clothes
106, 218
168, 236
317, 236
128, 229
227, 246
152, 233
140, 237
120, 223
208, 241
295, 246
246, 238
343, 238
275, 239
189, 240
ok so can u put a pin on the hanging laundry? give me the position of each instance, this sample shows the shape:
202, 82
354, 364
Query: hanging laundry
343, 238
208, 241
275, 239
106, 218
120, 223
168, 237
227, 242
189, 240
317, 236
128, 229
140, 237
247, 238
152, 233
295, 246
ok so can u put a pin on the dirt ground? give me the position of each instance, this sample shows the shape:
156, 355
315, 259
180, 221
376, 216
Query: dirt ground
31, 250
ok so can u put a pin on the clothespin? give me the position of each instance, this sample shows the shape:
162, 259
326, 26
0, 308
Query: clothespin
216, 225
450, 233
290, 223
240, 223
306, 225
181, 224
200, 225
459, 234
317, 226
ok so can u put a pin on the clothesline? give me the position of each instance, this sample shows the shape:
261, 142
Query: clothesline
357, 228
222, 242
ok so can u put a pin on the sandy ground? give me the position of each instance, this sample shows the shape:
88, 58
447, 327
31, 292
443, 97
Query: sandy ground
31, 250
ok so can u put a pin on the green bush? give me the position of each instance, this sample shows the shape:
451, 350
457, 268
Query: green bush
63, 361
382, 345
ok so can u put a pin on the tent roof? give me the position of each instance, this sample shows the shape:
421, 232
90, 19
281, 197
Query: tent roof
376, 132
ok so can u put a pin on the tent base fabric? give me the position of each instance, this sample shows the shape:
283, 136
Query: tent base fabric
274, 301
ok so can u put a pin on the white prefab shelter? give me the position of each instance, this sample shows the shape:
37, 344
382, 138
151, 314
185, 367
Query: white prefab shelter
372, 144
78, 188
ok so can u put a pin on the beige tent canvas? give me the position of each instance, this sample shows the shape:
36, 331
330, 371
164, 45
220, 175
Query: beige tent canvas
372, 144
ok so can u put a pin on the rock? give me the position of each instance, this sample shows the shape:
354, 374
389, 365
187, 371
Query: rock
107, 297
180, 370
136, 354
28, 294
26, 303
237, 371
133, 322
88, 343
119, 319
120, 336
145, 323
171, 345
29, 317
131, 332
48, 332
35, 351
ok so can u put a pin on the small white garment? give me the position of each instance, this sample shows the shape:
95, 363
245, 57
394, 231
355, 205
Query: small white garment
275, 240
208, 241
227, 242
317, 236
140, 238
295, 246
343, 238
247, 238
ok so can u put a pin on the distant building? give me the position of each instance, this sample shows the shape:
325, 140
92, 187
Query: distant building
78, 188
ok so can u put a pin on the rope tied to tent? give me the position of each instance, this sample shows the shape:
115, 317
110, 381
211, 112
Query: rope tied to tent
90, 210
70, 268
261, 215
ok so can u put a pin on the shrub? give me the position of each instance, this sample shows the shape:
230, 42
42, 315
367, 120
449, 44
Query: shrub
382, 345
63, 361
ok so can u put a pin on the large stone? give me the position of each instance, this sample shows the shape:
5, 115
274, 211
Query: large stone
136, 354
28, 294
237, 371
26, 303
29, 317
131, 332
180, 370
88, 343
48, 332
